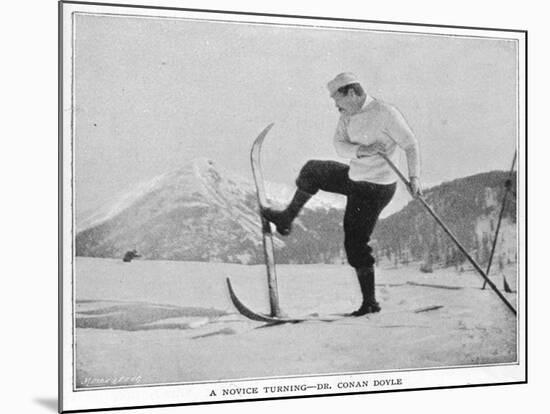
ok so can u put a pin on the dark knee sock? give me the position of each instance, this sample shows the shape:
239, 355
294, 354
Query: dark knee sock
283, 219
298, 201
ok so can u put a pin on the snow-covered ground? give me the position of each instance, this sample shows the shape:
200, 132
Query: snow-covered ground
167, 321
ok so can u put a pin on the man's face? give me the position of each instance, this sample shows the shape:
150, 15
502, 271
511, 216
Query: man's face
347, 104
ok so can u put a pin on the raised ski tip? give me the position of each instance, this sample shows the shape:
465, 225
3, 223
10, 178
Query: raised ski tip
228, 283
267, 129
231, 291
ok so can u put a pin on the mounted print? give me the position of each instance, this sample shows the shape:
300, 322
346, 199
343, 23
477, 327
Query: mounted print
266, 206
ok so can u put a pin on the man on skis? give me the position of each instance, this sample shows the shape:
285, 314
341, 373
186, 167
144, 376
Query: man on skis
366, 127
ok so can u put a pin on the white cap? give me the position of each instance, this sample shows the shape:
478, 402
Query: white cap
342, 79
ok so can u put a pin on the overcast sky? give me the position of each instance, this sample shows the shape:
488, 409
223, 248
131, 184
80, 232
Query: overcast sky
152, 94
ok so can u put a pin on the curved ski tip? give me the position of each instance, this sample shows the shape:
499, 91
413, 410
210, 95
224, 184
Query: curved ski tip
255, 150
267, 129
238, 304
229, 283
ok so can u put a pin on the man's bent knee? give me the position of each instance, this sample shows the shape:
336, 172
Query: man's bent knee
309, 177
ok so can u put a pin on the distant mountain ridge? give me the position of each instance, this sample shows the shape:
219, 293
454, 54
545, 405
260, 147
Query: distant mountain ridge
203, 213
469, 206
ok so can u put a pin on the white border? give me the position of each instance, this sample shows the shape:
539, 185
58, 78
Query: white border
193, 393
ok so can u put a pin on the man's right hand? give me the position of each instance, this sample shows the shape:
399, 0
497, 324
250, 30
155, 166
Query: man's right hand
414, 187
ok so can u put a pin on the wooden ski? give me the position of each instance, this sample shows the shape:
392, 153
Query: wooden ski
267, 241
255, 316
275, 320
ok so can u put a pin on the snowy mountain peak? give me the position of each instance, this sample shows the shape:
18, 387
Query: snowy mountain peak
203, 180
191, 213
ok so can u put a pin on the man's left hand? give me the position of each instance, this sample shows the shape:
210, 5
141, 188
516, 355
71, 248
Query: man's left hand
370, 150
415, 188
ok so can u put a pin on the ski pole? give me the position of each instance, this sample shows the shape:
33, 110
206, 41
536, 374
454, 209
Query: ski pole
450, 234
500, 216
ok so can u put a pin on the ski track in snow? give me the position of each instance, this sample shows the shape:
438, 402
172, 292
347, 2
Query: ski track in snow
170, 321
